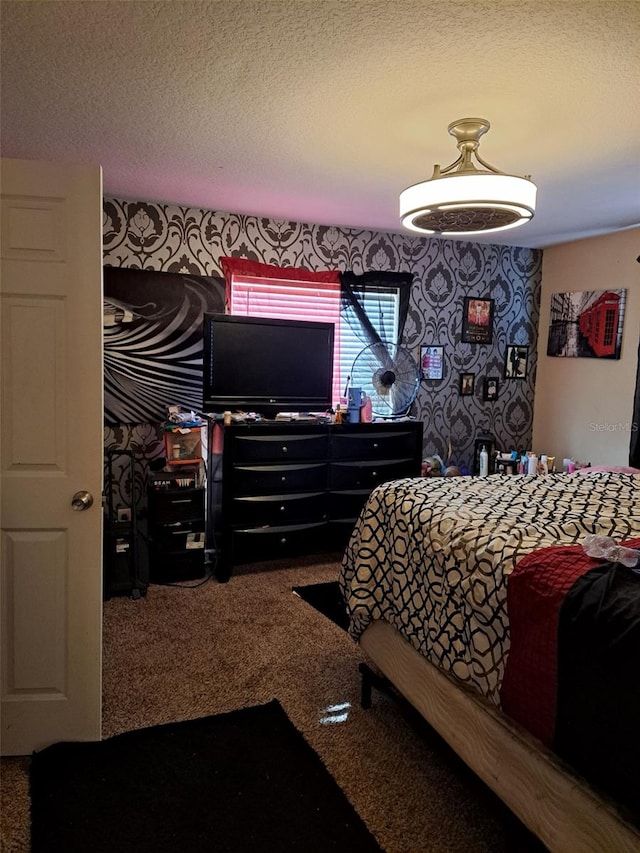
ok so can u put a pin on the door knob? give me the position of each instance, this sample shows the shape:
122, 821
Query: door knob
81, 500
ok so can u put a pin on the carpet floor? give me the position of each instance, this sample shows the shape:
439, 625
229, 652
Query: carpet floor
245, 780
185, 653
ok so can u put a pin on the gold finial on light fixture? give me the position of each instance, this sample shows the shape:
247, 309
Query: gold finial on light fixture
462, 199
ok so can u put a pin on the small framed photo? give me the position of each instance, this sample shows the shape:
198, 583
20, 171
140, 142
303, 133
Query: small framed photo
467, 384
491, 388
477, 320
516, 362
432, 361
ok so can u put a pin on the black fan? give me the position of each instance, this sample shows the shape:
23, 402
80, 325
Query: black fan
389, 375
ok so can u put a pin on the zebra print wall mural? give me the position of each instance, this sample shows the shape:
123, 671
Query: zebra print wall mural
153, 342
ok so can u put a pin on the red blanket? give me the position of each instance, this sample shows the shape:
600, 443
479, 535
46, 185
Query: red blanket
536, 590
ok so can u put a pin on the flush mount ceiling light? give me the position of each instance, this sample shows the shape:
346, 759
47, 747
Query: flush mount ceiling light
463, 199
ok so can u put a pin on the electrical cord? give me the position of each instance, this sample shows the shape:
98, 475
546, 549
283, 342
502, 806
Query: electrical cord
205, 580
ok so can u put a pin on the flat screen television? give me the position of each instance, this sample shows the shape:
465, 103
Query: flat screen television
266, 366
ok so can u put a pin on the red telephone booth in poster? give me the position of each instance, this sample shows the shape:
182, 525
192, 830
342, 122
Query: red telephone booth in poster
599, 323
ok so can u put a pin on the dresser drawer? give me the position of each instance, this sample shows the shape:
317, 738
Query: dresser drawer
366, 475
378, 444
280, 447
279, 509
251, 480
347, 504
268, 543
171, 505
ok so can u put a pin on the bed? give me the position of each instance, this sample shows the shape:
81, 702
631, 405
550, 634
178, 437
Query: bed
463, 592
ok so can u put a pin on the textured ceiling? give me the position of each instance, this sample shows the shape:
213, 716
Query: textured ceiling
322, 111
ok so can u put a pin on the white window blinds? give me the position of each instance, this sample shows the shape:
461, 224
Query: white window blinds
290, 300
381, 307
319, 301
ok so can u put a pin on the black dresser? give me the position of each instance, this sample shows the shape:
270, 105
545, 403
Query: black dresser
297, 488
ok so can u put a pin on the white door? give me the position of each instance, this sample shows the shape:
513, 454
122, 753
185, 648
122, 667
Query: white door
51, 447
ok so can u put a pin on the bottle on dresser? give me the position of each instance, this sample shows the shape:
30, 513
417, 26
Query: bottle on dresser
484, 462
366, 412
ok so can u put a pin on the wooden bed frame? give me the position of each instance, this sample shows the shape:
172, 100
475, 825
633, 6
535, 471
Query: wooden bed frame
556, 805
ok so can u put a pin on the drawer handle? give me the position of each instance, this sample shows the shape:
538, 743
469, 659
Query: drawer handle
282, 508
375, 445
283, 479
284, 448
182, 501
374, 473
283, 541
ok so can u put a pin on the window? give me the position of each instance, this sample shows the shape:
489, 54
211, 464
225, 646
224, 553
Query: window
381, 307
262, 290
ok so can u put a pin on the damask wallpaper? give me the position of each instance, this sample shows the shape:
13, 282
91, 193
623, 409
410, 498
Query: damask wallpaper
170, 238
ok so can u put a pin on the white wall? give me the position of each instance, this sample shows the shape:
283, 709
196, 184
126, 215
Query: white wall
584, 406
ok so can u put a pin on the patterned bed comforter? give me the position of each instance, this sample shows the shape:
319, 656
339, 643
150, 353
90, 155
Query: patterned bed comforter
431, 557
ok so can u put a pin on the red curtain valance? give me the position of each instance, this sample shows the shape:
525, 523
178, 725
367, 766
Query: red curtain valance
243, 266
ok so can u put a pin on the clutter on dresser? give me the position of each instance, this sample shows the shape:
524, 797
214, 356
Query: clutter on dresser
507, 462
183, 441
530, 462
570, 465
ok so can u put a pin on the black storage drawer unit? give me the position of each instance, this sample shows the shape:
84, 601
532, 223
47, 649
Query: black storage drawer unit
176, 534
297, 488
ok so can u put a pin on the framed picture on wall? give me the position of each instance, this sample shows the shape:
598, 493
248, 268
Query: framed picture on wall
477, 320
467, 384
431, 361
516, 362
586, 324
491, 388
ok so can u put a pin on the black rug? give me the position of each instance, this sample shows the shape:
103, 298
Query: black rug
327, 598
242, 781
